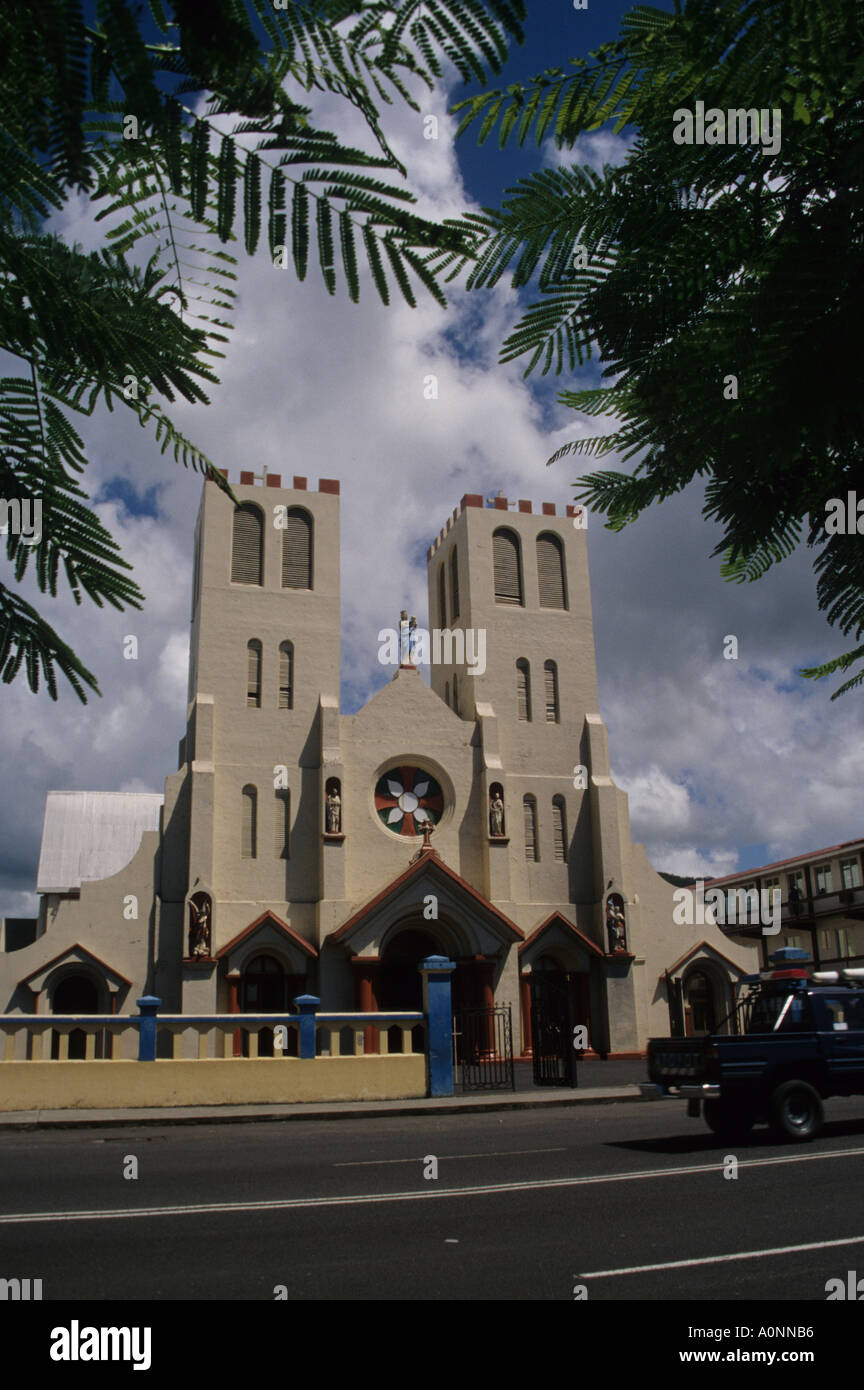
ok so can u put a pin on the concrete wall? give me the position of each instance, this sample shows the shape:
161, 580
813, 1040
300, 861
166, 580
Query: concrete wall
126, 1085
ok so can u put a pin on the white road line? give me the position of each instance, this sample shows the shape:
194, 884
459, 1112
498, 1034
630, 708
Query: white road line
426, 1194
724, 1259
502, 1153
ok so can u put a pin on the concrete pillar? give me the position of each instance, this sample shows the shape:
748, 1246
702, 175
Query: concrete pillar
148, 1007
436, 972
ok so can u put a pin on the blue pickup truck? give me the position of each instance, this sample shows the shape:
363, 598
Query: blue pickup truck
795, 1038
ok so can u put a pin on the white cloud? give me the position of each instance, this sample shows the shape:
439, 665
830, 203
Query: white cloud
594, 149
716, 755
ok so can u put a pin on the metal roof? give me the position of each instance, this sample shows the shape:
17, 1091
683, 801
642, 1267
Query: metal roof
92, 835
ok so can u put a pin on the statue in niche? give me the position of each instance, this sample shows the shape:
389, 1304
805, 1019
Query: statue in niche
615, 925
199, 926
496, 814
334, 811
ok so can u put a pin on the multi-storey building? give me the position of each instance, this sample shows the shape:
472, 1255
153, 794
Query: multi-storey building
821, 901
298, 849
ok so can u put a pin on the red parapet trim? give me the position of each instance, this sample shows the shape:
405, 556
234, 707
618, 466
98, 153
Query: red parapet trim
300, 484
330, 485
501, 504
524, 506
305, 946
549, 509
274, 479
247, 479
623, 1056
472, 499
419, 864
557, 918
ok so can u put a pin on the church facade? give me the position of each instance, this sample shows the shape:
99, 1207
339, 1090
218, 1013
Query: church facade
299, 850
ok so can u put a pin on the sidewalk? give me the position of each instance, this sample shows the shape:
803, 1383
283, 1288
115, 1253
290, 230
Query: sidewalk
524, 1097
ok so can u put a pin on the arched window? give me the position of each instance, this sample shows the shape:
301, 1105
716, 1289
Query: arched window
447, 692
253, 675
454, 583
508, 567
550, 571
523, 690
297, 550
559, 828
550, 677
249, 832
455, 693
247, 545
529, 811
442, 594
286, 675
283, 825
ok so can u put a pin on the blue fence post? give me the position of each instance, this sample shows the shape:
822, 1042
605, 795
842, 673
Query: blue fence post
436, 972
148, 1008
306, 1006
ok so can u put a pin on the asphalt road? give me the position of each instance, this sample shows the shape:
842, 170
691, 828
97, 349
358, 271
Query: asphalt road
630, 1201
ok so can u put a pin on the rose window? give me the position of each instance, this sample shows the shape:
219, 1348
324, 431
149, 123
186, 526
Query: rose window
408, 800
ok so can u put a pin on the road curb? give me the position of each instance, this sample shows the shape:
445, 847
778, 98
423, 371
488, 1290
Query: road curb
352, 1111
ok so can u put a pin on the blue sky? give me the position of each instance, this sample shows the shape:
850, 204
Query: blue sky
727, 764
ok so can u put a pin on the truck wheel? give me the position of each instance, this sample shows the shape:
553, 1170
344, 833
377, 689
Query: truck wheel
728, 1121
797, 1111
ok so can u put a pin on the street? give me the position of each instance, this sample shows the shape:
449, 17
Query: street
629, 1201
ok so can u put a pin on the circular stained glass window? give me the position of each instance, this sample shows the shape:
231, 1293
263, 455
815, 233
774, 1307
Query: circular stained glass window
407, 800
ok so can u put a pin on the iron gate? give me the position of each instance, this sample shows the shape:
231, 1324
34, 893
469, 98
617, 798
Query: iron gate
552, 1030
483, 1048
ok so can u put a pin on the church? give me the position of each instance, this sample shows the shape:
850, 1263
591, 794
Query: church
300, 850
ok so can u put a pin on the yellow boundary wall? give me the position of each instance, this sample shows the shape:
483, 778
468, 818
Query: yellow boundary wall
124, 1084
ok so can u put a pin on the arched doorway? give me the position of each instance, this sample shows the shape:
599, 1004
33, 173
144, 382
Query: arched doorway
76, 994
700, 1009
267, 988
401, 982
263, 988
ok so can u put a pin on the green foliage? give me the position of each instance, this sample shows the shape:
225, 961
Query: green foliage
704, 262
159, 135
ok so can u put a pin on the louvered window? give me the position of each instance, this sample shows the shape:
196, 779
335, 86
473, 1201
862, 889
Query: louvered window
550, 676
442, 595
454, 583
286, 675
297, 550
508, 571
253, 675
529, 809
550, 572
455, 693
523, 690
249, 834
559, 828
283, 824
247, 545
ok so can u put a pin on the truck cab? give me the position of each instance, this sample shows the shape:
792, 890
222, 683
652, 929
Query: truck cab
795, 1038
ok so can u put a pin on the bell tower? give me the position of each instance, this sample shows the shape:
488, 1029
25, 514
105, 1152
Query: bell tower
264, 651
